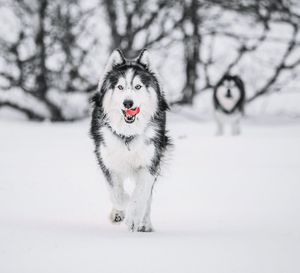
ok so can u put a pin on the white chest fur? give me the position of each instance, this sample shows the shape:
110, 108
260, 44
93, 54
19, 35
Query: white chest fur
125, 158
227, 118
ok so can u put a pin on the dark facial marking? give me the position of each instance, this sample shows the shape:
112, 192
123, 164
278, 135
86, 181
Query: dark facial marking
146, 77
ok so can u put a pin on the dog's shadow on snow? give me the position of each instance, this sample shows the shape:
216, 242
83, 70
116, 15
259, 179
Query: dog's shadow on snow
105, 230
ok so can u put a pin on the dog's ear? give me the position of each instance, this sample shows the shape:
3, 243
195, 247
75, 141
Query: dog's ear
115, 59
144, 58
239, 82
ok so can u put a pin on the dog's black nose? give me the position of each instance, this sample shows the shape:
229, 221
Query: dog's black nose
228, 94
128, 103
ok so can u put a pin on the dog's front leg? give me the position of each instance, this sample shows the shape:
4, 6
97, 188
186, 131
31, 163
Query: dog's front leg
118, 197
145, 225
138, 209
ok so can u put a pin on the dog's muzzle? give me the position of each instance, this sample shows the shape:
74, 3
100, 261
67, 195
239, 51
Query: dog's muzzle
130, 114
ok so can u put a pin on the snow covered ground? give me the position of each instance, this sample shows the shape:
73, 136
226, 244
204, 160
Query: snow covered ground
225, 204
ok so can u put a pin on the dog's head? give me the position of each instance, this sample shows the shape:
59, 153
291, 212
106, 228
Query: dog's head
130, 93
229, 92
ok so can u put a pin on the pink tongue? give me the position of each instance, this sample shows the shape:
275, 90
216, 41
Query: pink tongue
132, 112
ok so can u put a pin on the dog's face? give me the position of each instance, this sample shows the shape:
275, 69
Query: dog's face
228, 94
130, 93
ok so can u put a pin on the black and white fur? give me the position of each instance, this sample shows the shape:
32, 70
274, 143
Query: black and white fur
229, 100
130, 148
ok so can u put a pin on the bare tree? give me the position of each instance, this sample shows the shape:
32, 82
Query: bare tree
264, 13
192, 43
47, 59
50, 32
267, 13
140, 24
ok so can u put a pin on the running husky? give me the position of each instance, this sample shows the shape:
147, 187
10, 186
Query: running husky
229, 100
129, 130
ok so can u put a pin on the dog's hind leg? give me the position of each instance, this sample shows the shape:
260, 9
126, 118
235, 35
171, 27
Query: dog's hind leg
138, 210
235, 128
220, 126
118, 197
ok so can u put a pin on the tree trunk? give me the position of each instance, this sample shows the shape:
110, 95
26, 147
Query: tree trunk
192, 44
42, 71
41, 77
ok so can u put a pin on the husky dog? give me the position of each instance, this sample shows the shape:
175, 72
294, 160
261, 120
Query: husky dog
229, 99
129, 130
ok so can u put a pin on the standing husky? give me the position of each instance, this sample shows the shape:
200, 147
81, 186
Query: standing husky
229, 100
129, 131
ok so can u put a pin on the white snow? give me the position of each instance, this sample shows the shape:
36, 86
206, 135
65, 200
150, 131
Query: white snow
225, 204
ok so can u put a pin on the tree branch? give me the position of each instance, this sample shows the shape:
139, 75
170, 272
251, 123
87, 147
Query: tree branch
279, 68
29, 113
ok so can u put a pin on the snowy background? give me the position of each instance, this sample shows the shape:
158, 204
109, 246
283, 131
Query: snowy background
224, 204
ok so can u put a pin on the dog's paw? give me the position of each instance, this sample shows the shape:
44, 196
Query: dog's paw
117, 216
133, 218
132, 222
145, 228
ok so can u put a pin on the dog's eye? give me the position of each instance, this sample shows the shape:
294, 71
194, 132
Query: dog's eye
120, 87
138, 86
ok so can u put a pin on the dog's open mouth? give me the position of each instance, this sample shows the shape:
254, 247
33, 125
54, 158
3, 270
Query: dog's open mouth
130, 114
